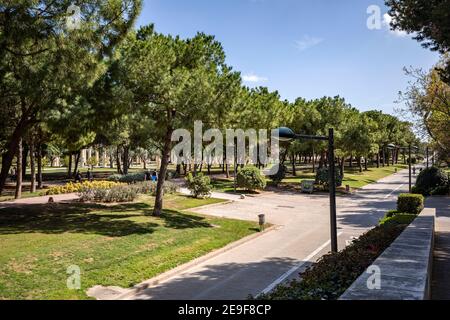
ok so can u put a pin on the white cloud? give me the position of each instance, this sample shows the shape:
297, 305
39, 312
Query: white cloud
253, 78
307, 42
387, 24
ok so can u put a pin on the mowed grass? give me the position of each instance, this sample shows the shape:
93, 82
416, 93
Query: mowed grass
113, 245
356, 179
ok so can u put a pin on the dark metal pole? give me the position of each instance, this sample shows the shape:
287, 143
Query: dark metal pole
410, 173
235, 164
332, 186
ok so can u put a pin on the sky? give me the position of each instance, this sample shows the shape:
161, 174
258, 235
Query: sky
302, 48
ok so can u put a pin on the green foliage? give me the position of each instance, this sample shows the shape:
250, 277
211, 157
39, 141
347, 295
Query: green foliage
128, 178
410, 203
431, 179
123, 193
395, 217
200, 185
428, 20
328, 278
250, 178
280, 175
441, 191
322, 177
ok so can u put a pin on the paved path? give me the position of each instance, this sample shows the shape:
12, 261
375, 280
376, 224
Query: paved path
441, 262
301, 237
39, 200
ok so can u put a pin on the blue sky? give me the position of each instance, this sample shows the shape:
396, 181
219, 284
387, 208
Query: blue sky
302, 48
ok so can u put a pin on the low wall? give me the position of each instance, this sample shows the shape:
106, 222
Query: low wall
405, 267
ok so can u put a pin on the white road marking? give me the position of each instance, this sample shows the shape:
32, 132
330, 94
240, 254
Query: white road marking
295, 268
390, 194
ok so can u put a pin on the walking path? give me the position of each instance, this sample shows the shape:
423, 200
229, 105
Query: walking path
39, 200
301, 236
440, 286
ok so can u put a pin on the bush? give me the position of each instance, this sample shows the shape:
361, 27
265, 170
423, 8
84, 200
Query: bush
410, 203
322, 177
398, 218
441, 191
122, 192
251, 179
200, 185
334, 273
128, 178
430, 179
280, 175
116, 194
72, 187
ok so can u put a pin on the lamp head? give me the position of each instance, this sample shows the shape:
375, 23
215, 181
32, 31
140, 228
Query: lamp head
286, 134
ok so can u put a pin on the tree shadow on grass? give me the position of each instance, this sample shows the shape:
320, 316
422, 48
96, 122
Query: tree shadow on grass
112, 221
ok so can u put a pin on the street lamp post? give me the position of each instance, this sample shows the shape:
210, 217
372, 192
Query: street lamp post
409, 148
287, 135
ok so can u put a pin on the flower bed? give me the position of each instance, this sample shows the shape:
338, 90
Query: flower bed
72, 187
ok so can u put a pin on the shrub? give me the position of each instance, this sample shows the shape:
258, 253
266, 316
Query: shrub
441, 191
251, 179
430, 179
128, 178
328, 278
116, 194
322, 177
394, 217
200, 185
122, 192
410, 203
72, 187
280, 175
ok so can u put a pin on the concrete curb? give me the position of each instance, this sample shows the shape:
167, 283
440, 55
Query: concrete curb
180, 269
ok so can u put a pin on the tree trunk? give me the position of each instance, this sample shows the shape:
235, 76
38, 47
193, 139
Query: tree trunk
32, 168
77, 160
227, 170
360, 164
157, 211
39, 166
119, 166
378, 159
314, 161
25, 151
294, 170
18, 193
11, 150
125, 161
383, 152
69, 169
365, 163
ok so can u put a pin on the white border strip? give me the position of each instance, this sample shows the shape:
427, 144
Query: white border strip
295, 268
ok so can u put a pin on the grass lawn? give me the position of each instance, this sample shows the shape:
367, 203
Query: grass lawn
352, 176
113, 245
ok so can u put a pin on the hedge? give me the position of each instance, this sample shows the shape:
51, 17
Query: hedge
410, 203
328, 278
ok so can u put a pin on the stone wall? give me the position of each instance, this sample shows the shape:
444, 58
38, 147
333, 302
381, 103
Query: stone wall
403, 271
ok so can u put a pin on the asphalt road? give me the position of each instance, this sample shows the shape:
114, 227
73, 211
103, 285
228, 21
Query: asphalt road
301, 237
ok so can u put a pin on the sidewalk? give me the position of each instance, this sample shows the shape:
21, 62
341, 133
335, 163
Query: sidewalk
440, 286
